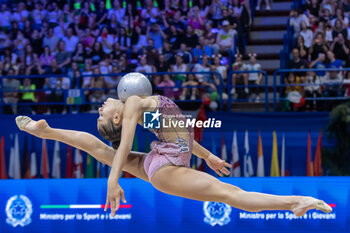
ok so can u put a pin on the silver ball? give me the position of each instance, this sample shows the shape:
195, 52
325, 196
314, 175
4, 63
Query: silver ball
134, 84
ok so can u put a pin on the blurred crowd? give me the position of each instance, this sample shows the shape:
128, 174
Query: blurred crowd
321, 40
69, 40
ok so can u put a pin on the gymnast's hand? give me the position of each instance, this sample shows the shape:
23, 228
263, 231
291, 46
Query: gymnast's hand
114, 194
218, 165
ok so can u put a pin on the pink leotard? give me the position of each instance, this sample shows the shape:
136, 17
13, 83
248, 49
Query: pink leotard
178, 152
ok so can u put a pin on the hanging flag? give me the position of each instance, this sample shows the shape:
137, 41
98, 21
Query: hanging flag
236, 168
78, 164
248, 164
69, 163
309, 165
3, 174
260, 169
318, 157
213, 144
33, 164
98, 169
26, 160
283, 157
89, 167
44, 168
275, 171
223, 149
56, 162
15, 168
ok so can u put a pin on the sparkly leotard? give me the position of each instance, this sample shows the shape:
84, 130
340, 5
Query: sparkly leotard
175, 144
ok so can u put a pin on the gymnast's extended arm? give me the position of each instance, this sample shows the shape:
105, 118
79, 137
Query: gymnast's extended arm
218, 165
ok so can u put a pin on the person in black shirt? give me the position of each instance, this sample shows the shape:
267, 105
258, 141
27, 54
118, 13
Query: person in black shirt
296, 62
340, 47
190, 39
162, 65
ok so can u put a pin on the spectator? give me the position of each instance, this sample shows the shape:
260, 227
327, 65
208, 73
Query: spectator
10, 95
36, 40
307, 35
179, 66
295, 19
144, 67
78, 55
97, 96
97, 53
71, 41
312, 90
332, 87
195, 20
339, 29
62, 56
340, 47
27, 97
319, 63
294, 93
221, 69
216, 12
55, 85
225, 38
201, 49
333, 62
318, 46
167, 86
209, 35
254, 78
5, 17
117, 11
296, 62
189, 92
157, 35
162, 65
239, 66
267, 3
46, 57
202, 67
301, 47
190, 39
50, 40
314, 7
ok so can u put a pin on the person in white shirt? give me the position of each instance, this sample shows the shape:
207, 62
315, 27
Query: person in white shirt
143, 67
254, 78
225, 37
118, 11
106, 40
21, 15
295, 21
307, 34
71, 41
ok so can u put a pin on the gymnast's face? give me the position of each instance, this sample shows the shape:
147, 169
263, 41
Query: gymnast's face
111, 110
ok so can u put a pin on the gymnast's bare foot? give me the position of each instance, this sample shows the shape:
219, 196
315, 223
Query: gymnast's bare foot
308, 203
36, 128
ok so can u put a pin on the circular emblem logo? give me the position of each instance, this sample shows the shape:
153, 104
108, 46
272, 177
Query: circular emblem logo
18, 211
216, 213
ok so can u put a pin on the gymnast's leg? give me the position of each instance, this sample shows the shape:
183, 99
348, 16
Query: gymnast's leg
189, 183
83, 141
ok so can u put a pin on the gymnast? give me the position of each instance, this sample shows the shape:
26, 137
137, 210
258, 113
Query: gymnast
167, 165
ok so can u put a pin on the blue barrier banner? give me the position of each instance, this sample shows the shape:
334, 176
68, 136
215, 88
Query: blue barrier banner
76, 205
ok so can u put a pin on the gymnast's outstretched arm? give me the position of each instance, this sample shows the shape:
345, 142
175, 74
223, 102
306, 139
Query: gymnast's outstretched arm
214, 162
83, 141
